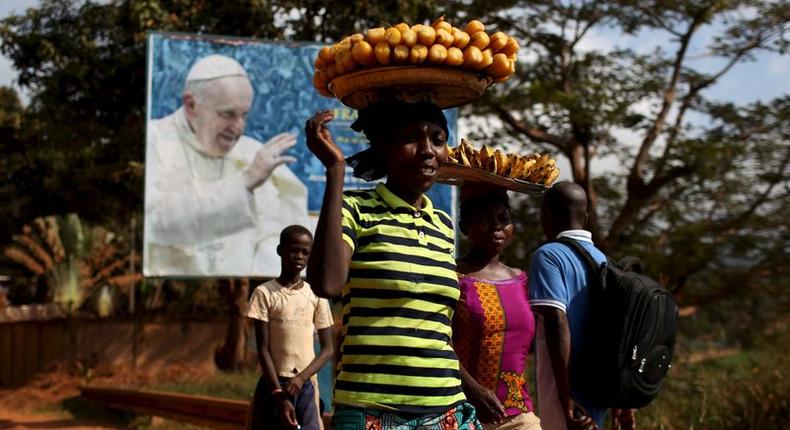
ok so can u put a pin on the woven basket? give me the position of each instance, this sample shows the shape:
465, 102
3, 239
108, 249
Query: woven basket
454, 174
444, 87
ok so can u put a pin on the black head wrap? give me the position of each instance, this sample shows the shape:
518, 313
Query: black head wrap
379, 122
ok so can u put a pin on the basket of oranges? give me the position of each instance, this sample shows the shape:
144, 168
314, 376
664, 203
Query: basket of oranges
438, 63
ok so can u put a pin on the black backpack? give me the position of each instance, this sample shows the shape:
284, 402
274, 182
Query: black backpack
629, 338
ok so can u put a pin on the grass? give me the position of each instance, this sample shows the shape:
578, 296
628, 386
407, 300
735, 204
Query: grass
235, 386
748, 390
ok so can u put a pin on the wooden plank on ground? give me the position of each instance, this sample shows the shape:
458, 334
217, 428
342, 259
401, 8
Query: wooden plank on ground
201, 410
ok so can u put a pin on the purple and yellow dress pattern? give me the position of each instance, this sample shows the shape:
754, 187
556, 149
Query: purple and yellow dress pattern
493, 329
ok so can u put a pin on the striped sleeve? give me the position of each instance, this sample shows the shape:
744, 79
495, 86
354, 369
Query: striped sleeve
350, 220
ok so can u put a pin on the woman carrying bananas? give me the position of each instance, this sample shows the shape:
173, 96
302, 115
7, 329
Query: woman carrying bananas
493, 325
389, 254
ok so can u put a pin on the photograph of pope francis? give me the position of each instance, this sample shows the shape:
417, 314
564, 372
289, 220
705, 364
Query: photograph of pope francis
216, 199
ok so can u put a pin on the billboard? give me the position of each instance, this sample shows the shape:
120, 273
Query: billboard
202, 218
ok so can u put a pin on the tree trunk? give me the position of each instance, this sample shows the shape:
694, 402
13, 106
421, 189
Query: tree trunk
230, 356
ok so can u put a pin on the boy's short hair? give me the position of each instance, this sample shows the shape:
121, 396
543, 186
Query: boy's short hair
294, 230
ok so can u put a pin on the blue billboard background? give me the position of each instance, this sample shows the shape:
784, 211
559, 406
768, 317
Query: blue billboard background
281, 76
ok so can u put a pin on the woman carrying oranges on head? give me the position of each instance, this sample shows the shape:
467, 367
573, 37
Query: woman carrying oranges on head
389, 254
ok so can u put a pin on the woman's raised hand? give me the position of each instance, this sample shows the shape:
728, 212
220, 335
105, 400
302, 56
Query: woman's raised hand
320, 142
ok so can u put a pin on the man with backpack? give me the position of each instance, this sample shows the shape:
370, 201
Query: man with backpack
559, 280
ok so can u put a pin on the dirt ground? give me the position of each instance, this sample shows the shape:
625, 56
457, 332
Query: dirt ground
51, 399
16, 420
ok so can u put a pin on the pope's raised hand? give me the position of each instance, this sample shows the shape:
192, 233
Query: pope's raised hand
320, 142
268, 158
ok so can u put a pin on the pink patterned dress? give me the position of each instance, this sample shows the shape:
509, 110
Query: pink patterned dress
493, 329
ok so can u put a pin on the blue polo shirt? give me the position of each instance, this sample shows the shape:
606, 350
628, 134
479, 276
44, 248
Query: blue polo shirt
558, 278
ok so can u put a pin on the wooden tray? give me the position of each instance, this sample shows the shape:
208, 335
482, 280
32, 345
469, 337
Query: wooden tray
446, 87
455, 174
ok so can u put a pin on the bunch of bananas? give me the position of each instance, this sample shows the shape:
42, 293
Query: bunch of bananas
536, 168
438, 44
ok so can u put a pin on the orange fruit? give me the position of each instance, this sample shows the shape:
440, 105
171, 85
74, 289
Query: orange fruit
437, 54
418, 54
444, 37
441, 23
500, 66
318, 82
401, 54
320, 85
356, 37
480, 39
340, 69
331, 71
498, 41
510, 48
455, 57
319, 63
326, 55
349, 64
426, 35
472, 57
340, 54
323, 75
408, 37
345, 43
363, 53
382, 53
392, 36
488, 58
402, 27
474, 26
460, 38
376, 35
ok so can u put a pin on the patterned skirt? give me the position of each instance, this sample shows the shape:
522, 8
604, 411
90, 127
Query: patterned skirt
461, 417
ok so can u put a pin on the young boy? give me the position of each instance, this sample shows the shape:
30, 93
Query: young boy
286, 314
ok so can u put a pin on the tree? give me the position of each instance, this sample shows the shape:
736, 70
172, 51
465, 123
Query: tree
11, 113
578, 101
71, 262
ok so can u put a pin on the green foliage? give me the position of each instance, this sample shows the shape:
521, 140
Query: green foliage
703, 185
70, 262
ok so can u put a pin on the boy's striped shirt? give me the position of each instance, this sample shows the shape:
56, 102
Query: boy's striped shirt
398, 305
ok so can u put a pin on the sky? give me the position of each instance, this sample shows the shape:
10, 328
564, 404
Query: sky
7, 73
766, 77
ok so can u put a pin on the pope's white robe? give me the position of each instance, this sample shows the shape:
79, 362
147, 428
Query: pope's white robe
200, 219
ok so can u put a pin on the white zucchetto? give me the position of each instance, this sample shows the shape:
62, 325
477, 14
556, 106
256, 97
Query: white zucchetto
214, 67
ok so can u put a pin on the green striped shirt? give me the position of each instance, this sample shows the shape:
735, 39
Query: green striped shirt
397, 306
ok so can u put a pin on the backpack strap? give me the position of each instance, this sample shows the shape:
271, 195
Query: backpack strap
576, 246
